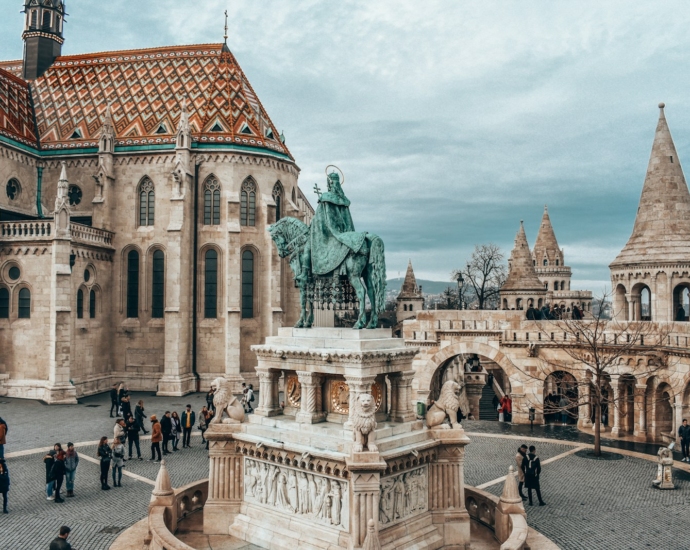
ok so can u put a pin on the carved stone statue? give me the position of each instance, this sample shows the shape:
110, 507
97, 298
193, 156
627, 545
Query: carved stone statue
447, 405
225, 402
364, 423
664, 474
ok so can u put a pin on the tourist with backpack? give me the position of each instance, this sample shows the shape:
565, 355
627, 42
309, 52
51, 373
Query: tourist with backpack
250, 398
531, 467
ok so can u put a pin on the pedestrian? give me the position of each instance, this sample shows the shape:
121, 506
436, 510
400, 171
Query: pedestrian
119, 430
684, 434
71, 463
188, 419
126, 407
4, 485
531, 467
519, 458
118, 461
60, 542
120, 394
203, 423
3, 438
208, 416
501, 410
166, 429
563, 405
105, 453
495, 402
139, 415
175, 430
250, 398
57, 473
490, 380
156, 438
133, 436
49, 460
507, 408
209, 400
113, 400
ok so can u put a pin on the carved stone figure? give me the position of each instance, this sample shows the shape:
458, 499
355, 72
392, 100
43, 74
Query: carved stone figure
225, 402
336, 503
364, 423
403, 495
304, 497
293, 497
446, 406
664, 475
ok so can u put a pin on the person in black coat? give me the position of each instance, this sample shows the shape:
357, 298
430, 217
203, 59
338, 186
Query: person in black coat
57, 473
113, 400
4, 484
166, 429
209, 401
49, 460
531, 466
133, 436
139, 415
126, 407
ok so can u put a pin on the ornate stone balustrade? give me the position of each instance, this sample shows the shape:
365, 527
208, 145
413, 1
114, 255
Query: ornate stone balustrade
91, 235
482, 508
27, 231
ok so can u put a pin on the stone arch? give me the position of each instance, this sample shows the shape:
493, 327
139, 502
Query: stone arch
620, 303
560, 384
681, 298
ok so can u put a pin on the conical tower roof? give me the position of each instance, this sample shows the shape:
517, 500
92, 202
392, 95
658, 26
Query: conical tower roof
409, 287
546, 243
522, 275
662, 226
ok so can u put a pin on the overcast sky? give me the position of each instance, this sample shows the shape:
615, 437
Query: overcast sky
452, 120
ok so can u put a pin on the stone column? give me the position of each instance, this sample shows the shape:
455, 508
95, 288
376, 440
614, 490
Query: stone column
365, 490
640, 410
616, 430
474, 384
268, 392
401, 396
679, 420
357, 385
447, 489
631, 307
311, 402
225, 479
585, 410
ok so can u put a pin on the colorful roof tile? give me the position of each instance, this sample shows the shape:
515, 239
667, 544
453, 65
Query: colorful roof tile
16, 114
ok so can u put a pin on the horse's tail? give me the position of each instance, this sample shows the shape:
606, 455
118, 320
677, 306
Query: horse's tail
377, 265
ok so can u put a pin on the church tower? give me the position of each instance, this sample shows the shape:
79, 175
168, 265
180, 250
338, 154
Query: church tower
410, 300
522, 287
42, 35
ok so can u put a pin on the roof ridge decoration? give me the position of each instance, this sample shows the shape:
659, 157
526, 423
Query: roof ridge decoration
662, 225
521, 274
546, 243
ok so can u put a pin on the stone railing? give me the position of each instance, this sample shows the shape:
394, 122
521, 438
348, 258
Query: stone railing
91, 235
27, 230
482, 508
163, 520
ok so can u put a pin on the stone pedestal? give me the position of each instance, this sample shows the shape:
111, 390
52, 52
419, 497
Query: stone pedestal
365, 487
474, 384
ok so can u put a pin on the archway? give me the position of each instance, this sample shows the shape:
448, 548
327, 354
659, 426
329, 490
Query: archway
681, 301
663, 413
606, 399
642, 303
518, 303
620, 303
626, 403
560, 398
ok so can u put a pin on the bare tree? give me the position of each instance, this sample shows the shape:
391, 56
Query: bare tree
485, 272
592, 350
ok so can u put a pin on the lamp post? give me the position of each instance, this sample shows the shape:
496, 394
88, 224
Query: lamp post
461, 282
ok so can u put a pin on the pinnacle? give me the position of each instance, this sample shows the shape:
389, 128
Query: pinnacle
546, 243
409, 287
63, 172
522, 275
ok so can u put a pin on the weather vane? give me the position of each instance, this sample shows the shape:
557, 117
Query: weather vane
225, 36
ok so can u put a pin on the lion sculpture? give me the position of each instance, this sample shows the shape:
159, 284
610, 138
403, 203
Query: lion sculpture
446, 406
364, 424
224, 401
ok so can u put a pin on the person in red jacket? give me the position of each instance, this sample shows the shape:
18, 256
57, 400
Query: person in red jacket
156, 438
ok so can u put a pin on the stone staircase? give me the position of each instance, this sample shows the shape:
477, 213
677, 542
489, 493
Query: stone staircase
487, 411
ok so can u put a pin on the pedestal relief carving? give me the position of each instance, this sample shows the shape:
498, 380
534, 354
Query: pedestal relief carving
293, 391
319, 498
403, 495
340, 397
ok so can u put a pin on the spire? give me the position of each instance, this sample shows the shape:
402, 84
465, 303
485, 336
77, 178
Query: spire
42, 36
225, 36
409, 287
546, 243
662, 226
521, 274
184, 130
106, 142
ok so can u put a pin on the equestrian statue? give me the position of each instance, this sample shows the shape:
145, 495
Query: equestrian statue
329, 253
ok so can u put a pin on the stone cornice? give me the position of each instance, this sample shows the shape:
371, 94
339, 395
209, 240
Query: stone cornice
334, 356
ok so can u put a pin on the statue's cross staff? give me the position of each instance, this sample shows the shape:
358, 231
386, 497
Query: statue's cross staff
317, 190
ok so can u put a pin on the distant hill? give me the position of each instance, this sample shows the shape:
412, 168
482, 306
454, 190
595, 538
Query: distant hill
428, 287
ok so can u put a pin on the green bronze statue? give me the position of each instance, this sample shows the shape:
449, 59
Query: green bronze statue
330, 248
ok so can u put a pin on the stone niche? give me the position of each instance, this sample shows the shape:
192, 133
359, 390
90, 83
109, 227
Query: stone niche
288, 477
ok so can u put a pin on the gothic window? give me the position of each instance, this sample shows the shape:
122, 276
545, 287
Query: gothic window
294, 196
24, 303
248, 203
4, 303
74, 195
278, 198
12, 189
212, 202
558, 262
80, 304
211, 285
247, 284
92, 304
34, 18
133, 284
46, 20
147, 201
546, 262
158, 285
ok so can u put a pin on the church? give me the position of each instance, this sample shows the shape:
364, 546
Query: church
137, 188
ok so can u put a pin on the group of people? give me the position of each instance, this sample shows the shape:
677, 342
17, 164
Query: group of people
529, 472
61, 467
553, 312
504, 408
557, 408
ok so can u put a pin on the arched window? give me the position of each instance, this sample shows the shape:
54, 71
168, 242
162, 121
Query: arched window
278, 198
211, 285
248, 203
92, 304
24, 303
34, 18
555, 285
147, 202
645, 304
546, 262
4, 303
211, 202
46, 20
404, 307
411, 307
158, 285
133, 284
558, 262
80, 304
294, 196
247, 284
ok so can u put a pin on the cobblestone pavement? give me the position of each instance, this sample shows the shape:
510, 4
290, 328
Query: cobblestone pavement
591, 504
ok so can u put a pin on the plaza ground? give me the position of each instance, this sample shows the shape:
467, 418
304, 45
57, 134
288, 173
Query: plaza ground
591, 504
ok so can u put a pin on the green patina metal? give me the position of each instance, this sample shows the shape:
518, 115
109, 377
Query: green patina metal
39, 184
328, 249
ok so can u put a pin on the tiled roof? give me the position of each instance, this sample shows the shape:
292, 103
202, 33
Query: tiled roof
16, 115
146, 89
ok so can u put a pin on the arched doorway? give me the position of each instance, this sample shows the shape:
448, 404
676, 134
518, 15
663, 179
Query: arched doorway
681, 302
663, 413
560, 398
606, 402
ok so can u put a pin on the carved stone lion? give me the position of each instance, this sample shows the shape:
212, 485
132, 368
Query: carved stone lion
364, 424
446, 406
224, 401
